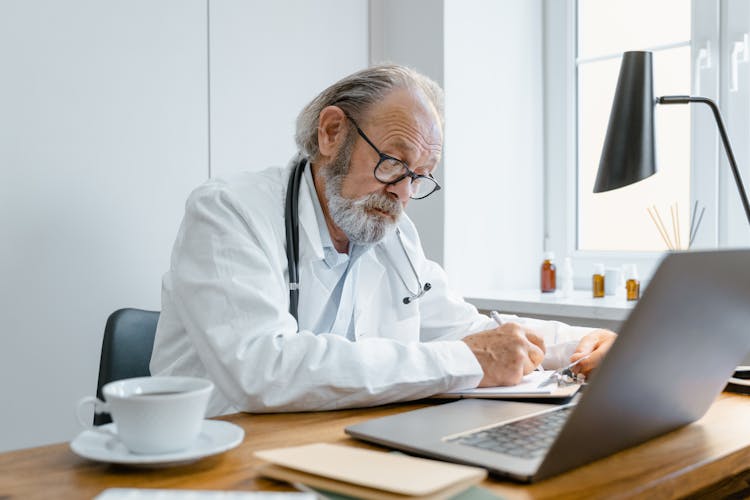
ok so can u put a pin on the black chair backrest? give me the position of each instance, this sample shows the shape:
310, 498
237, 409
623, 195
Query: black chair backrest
126, 349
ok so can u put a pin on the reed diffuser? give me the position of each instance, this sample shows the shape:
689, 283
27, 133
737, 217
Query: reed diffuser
676, 242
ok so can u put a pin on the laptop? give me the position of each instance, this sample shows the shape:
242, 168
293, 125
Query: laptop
672, 358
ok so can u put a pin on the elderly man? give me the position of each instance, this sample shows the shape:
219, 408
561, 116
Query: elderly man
352, 314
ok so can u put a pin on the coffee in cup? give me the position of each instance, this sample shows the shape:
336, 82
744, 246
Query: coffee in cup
153, 415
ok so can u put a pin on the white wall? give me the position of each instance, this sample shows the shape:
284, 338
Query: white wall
104, 130
494, 143
268, 60
411, 33
102, 135
486, 226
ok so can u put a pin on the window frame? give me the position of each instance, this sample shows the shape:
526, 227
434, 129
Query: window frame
560, 114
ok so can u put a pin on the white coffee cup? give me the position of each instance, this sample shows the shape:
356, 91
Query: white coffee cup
612, 280
153, 414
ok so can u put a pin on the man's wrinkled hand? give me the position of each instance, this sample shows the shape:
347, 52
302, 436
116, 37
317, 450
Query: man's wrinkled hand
506, 353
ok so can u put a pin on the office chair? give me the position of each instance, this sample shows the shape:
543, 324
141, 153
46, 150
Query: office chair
126, 349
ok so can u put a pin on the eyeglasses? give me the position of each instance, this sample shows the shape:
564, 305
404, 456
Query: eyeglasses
390, 170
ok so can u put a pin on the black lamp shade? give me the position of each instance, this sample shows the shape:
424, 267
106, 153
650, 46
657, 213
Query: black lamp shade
628, 154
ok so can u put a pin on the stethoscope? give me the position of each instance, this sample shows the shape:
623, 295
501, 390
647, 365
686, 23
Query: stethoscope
291, 220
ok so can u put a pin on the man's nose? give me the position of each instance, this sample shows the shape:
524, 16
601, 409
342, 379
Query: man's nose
402, 189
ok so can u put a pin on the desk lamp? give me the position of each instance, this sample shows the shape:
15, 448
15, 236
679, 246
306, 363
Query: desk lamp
628, 154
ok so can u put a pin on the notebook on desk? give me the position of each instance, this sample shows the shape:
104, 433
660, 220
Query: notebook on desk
672, 358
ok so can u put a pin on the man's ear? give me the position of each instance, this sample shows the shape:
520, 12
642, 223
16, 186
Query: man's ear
332, 130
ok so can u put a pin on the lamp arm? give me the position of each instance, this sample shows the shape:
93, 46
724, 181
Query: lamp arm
685, 99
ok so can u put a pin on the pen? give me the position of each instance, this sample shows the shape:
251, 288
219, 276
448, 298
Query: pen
496, 316
571, 365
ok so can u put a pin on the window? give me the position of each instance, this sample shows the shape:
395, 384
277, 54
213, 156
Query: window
692, 42
617, 220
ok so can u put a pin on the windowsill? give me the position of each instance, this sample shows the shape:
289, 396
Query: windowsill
580, 305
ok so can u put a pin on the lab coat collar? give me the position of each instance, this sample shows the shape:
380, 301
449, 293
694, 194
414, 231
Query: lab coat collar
371, 273
395, 257
307, 220
314, 226
371, 269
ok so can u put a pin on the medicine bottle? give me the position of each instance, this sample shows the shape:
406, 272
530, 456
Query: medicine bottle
632, 285
549, 282
597, 285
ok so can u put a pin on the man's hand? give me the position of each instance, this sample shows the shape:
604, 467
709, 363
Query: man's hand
506, 353
598, 343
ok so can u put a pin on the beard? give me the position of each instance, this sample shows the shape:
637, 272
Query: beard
365, 220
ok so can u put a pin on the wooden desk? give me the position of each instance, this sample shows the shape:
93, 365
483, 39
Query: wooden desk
713, 449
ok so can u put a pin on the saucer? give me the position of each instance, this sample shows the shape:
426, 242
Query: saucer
215, 437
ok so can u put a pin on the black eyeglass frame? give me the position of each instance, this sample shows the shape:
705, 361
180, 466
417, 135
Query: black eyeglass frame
407, 171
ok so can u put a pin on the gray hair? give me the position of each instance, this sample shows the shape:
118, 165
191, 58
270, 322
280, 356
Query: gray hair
355, 94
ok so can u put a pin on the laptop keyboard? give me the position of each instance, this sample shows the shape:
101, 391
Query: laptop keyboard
527, 438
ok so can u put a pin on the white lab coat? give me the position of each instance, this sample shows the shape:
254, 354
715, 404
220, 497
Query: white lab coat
225, 316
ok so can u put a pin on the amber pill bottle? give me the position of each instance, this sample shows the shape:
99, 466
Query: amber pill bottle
549, 271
